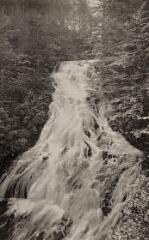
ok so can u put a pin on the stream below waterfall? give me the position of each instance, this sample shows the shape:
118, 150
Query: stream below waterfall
55, 189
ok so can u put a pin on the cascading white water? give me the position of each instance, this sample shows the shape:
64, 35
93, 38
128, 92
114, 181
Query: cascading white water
58, 173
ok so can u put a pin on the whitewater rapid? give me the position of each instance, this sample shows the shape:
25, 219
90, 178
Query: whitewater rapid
54, 193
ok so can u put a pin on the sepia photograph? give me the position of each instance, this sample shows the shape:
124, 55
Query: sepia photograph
74, 119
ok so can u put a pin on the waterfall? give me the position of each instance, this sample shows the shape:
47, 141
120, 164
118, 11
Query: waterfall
53, 189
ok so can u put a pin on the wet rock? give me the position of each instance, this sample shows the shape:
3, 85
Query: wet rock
133, 224
145, 164
5, 221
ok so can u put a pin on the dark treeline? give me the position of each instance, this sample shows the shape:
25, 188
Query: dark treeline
34, 36
124, 67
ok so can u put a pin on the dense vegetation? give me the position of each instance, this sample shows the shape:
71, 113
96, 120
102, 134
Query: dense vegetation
125, 68
124, 75
120, 40
34, 36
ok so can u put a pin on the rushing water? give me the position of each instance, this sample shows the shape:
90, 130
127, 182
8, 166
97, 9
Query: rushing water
53, 190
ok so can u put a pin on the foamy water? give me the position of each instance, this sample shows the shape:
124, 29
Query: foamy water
52, 183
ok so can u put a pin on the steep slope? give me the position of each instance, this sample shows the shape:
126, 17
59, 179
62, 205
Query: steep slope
74, 183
